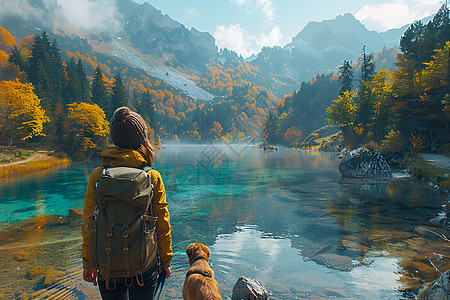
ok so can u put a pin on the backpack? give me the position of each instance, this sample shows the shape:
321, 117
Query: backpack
122, 241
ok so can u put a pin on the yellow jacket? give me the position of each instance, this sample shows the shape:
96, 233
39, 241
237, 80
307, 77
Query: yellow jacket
116, 157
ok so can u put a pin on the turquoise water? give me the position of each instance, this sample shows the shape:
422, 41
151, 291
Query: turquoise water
285, 218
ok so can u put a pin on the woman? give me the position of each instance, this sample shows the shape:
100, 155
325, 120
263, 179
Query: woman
129, 135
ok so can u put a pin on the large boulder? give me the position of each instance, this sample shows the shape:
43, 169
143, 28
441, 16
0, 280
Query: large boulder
249, 289
364, 163
440, 290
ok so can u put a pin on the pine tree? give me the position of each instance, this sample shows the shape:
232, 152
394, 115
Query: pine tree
56, 73
345, 77
364, 108
410, 42
83, 82
72, 85
100, 92
147, 107
37, 74
119, 94
367, 66
18, 58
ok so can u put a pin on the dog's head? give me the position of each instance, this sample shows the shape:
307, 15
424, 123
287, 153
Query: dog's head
197, 250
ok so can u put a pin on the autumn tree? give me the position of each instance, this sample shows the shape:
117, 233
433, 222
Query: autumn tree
86, 130
8, 70
292, 136
6, 40
382, 105
341, 113
21, 116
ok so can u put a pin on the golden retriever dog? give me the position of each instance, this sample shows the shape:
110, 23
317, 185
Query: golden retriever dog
200, 283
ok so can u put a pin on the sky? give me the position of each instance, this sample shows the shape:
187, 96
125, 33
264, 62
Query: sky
245, 26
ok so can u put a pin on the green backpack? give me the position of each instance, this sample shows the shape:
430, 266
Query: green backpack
122, 242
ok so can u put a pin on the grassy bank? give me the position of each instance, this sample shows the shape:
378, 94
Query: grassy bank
33, 163
423, 169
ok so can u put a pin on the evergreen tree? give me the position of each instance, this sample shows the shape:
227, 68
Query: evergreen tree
270, 128
367, 66
46, 72
18, 58
56, 73
365, 106
148, 110
100, 92
77, 86
119, 94
72, 86
83, 82
38, 72
346, 77
410, 42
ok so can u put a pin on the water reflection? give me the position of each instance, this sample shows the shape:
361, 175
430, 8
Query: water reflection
285, 218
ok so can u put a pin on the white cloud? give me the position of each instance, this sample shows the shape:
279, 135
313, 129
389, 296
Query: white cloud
234, 37
272, 39
90, 15
396, 13
266, 6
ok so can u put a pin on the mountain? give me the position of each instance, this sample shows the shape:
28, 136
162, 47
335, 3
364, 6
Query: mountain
321, 46
151, 32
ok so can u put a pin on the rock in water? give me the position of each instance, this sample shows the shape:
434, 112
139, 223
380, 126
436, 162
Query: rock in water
364, 163
439, 290
249, 289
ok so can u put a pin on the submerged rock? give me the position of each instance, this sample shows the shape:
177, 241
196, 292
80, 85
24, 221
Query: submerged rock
439, 290
249, 289
364, 163
75, 213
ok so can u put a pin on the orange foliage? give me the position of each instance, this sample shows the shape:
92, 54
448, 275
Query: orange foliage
292, 136
6, 39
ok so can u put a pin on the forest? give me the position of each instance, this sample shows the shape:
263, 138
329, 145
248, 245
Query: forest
403, 110
64, 98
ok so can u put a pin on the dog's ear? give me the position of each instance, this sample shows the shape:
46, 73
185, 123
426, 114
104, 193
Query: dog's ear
190, 250
206, 250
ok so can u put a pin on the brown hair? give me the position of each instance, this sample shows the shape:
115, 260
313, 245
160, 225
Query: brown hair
147, 152
129, 131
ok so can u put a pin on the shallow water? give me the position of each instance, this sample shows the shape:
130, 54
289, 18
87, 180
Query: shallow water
285, 218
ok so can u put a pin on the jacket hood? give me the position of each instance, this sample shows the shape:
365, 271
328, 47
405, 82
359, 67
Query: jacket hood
117, 157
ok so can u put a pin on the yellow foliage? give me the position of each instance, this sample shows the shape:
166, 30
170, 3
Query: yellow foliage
87, 118
86, 129
417, 142
20, 113
393, 142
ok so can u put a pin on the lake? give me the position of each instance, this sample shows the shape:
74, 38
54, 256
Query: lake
285, 218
